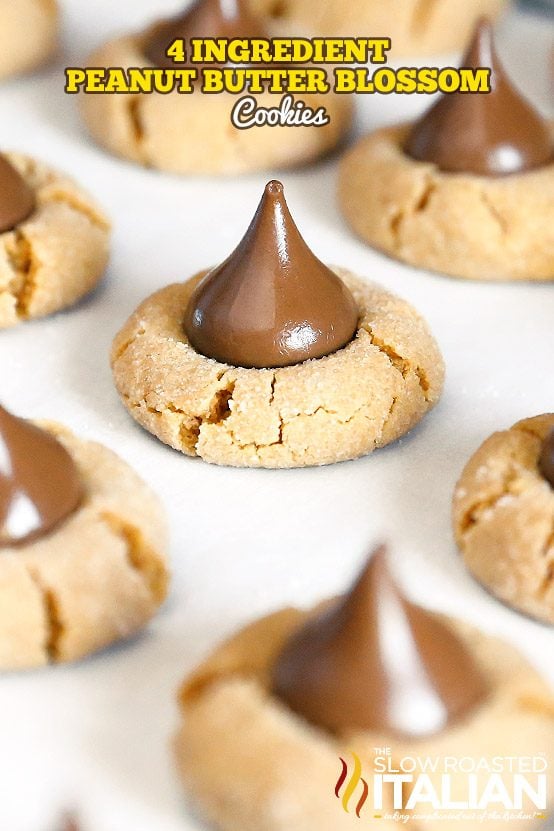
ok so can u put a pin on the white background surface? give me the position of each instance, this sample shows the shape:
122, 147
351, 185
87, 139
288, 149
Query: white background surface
95, 736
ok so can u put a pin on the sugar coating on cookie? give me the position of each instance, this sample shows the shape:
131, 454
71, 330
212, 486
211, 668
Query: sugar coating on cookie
321, 411
503, 514
28, 35
58, 254
249, 763
95, 578
193, 133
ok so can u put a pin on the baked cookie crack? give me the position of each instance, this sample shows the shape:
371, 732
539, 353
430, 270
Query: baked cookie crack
508, 487
78, 205
271, 404
24, 266
128, 343
141, 556
54, 628
548, 555
397, 361
402, 365
494, 213
419, 206
221, 406
136, 124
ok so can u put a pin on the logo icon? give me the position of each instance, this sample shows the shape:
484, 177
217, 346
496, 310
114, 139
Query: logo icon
350, 781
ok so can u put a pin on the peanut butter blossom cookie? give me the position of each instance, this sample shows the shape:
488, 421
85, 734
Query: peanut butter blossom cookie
504, 516
269, 716
414, 27
468, 190
28, 34
82, 546
193, 133
54, 240
273, 359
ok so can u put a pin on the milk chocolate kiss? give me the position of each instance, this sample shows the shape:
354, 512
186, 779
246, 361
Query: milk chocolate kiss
40, 485
546, 459
272, 303
205, 19
374, 661
489, 134
17, 200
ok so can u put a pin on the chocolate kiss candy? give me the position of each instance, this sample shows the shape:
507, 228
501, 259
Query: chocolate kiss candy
206, 19
374, 661
272, 303
546, 459
17, 200
40, 485
489, 134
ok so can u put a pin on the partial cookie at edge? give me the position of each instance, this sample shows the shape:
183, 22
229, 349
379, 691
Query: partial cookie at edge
58, 255
251, 774
503, 515
98, 578
28, 36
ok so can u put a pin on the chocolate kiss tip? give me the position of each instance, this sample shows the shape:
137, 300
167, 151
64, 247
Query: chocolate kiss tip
40, 485
275, 188
374, 661
486, 134
272, 303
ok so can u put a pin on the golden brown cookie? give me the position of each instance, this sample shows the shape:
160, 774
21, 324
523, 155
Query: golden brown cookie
96, 578
318, 412
28, 34
415, 28
57, 255
250, 764
503, 513
482, 228
193, 133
